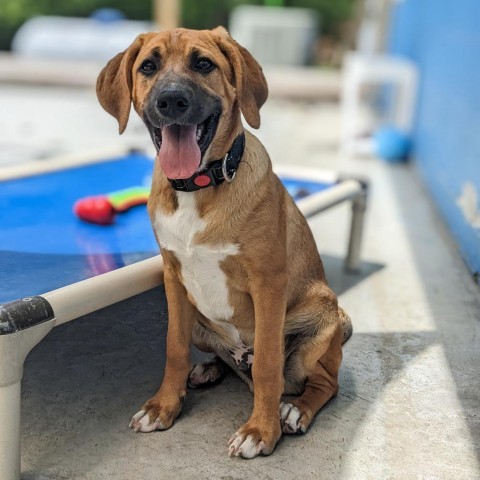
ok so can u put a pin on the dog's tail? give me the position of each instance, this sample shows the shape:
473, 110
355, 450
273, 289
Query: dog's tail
346, 324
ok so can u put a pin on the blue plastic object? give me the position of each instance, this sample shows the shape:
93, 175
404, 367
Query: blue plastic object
108, 15
391, 144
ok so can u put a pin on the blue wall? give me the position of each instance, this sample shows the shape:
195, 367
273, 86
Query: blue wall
443, 38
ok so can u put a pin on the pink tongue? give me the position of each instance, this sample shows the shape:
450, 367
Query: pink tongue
179, 154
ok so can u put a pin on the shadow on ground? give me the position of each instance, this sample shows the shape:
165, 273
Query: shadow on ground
339, 280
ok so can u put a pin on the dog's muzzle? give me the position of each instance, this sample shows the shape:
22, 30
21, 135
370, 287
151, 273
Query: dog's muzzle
182, 119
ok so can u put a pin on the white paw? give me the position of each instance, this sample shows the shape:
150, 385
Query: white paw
290, 419
246, 447
141, 422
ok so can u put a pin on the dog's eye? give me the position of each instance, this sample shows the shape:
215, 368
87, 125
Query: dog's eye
148, 67
204, 65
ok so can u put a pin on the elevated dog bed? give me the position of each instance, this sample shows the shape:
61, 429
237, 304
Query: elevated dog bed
55, 268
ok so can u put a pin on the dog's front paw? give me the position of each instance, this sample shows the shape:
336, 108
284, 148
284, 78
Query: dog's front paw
250, 441
155, 415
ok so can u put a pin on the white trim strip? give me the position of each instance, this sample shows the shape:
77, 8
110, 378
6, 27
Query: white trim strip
89, 295
62, 162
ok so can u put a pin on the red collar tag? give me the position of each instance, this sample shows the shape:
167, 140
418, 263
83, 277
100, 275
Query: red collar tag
202, 180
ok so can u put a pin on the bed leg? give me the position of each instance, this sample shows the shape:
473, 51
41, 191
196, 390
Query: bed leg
10, 431
359, 205
23, 324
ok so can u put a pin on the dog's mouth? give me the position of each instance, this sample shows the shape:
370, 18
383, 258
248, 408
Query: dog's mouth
181, 147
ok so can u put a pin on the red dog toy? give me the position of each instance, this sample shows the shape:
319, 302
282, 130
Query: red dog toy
102, 209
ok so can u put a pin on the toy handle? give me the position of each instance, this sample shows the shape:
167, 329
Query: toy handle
101, 209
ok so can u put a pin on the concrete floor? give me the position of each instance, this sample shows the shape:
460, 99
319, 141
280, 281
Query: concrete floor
408, 406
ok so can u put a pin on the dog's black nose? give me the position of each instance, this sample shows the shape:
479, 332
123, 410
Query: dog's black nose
172, 102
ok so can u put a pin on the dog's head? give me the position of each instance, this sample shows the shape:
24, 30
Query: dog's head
189, 87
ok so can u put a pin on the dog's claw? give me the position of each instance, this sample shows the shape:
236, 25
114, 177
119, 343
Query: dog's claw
232, 438
134, 421
244, 446
141, 422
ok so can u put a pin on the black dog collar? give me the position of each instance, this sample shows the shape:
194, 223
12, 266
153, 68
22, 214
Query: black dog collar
217, 172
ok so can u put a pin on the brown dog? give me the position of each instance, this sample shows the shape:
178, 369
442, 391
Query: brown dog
243, 277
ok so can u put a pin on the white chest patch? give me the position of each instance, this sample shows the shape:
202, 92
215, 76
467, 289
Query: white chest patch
202, 276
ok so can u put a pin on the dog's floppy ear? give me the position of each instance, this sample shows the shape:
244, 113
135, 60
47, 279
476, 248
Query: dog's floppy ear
249, 81
114, 84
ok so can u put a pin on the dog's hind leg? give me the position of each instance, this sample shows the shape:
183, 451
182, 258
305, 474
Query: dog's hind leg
321, 382
316, 363
207, 373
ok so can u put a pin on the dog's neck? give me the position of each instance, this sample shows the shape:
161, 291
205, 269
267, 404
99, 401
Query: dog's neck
216, 172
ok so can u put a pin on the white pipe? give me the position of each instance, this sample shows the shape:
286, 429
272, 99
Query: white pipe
10, 408
87, 296
328, 198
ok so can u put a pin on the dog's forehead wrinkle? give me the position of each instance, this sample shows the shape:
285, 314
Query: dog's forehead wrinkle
156, 52
193, 42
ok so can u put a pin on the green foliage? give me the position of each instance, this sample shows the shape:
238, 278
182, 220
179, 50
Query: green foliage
333, 13
210, 13
196, 13
15, 12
